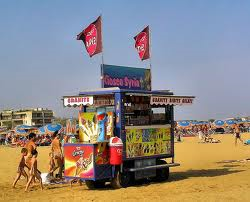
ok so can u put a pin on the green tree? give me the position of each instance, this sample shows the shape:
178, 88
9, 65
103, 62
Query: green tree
211, 120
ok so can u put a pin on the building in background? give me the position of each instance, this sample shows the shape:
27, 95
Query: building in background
32, 117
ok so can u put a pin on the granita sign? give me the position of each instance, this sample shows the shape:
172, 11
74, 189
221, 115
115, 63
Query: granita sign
126, 77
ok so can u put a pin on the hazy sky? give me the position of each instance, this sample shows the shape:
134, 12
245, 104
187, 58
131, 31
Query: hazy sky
199, 48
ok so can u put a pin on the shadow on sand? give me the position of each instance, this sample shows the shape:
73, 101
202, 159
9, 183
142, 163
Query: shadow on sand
176, 176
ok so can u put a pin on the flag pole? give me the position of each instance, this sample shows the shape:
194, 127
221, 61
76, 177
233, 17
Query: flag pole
150, 55
102, 56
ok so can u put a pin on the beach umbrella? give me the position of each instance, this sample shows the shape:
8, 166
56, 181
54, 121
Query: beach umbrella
183, 124
219, 123
230, 122
25, 127
51, 128
42, 130
195, 123
18, 130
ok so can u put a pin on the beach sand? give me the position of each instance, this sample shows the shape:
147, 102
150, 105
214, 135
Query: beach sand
204, 175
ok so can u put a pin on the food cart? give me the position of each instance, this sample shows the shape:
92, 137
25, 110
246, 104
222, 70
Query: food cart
143, 120
126, 130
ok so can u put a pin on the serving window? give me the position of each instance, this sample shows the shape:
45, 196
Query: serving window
138, 112
101, 103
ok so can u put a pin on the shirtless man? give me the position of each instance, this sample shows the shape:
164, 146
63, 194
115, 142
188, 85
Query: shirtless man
57, 154
237, 134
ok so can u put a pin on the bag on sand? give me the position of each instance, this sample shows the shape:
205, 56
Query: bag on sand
45, 178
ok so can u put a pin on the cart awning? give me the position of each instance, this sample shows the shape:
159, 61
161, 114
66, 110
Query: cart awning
74, 101
171, 100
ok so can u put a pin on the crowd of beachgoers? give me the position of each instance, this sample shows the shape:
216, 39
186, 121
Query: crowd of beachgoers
193, 130
11, 139
205, 132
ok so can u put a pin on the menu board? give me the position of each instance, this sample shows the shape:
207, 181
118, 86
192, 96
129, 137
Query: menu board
147, 142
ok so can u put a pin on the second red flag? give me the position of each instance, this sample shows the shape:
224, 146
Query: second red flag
142, 44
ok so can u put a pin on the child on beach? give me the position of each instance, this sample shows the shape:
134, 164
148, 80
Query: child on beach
34, 173
21, 165
51, 163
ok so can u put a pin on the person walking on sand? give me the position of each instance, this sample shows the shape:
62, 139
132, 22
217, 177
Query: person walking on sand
20, 169
30, 146
51, 163
57, 154
237, 134
34, 173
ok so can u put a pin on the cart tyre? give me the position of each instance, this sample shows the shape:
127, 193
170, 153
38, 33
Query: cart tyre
94, 184
163, 173
120, 180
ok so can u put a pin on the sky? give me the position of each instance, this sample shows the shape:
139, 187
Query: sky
199, 48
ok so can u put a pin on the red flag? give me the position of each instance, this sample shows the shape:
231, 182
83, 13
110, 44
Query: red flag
92, 37
142, 43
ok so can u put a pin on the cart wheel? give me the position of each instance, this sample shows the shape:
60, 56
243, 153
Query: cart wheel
163, 173
94, 184
120, 180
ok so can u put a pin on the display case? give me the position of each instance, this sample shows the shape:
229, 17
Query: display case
139, 112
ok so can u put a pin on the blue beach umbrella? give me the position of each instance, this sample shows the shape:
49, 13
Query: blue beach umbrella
230, 122
19, 130
24, 127
195, 122
219, 123
183, 123
240, 122
42, 130
51, 128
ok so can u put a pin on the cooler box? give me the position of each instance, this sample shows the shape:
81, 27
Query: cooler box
115, 151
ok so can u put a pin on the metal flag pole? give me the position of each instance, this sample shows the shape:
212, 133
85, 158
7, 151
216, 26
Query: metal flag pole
150, 56
102, 81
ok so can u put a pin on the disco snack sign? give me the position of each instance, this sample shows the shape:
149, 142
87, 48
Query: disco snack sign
126, 77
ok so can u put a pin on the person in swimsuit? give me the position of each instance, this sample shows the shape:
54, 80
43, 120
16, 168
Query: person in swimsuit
20, 169
34, 173
237, 134
51, 163
57, 154
30, 146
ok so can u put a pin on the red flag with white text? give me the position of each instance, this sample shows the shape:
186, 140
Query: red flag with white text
142, 44
92, 37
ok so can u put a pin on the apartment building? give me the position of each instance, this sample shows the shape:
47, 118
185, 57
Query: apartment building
32, 117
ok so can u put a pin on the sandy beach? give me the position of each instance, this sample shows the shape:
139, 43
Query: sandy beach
206, 174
